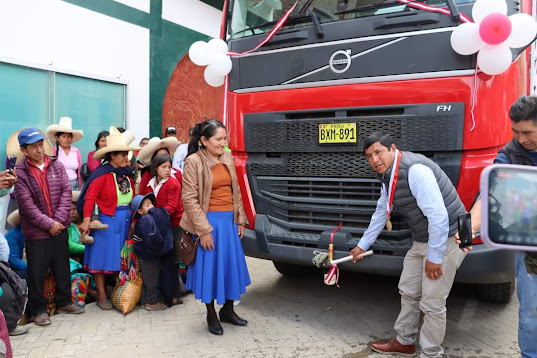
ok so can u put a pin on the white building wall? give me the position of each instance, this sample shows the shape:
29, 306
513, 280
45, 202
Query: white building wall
193, 14
53, 32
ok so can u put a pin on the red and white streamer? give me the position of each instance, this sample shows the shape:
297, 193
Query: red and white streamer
334, 271
431, 8
269, 36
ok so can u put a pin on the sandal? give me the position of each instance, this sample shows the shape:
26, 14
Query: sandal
104, 305
177, 301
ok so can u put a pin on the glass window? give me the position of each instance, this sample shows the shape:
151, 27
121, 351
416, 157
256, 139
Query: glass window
253, 17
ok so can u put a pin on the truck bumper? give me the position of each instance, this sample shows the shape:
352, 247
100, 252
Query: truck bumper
482, 265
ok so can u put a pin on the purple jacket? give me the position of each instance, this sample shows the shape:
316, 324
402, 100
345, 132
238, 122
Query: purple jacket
35, 221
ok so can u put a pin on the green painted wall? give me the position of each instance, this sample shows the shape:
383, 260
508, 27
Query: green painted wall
168, 43
31, 97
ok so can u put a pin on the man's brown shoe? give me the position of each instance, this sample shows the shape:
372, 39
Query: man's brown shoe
42, 319
71, 309
394, 347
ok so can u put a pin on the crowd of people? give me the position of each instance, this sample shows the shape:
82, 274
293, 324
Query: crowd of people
191, 192
74, 219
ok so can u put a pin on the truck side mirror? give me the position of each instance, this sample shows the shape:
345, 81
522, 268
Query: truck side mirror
509, 207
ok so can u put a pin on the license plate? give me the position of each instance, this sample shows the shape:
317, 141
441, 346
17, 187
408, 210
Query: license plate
337, 133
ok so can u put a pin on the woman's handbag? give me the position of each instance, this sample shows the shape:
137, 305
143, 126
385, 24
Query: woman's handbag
188, 247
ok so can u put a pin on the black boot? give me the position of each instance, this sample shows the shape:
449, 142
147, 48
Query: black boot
227, 315
212, 321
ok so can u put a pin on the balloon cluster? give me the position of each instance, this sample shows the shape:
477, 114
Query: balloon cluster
493, 34
213, 55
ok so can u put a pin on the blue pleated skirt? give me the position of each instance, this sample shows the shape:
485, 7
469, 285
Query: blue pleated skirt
105, 252
220, 274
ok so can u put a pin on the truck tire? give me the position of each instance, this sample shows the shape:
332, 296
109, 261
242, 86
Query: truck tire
288, 269
496, 292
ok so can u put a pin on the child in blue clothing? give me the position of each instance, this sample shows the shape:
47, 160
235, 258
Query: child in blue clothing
15, 240
154, 243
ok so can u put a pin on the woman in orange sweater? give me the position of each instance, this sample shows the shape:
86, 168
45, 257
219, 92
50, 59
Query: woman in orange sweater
111, 186
213, 212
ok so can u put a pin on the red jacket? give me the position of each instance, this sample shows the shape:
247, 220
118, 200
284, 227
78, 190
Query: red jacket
103, 190
169, 198
146, 177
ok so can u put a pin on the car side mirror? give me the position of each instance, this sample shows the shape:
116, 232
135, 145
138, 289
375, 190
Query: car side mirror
509, 207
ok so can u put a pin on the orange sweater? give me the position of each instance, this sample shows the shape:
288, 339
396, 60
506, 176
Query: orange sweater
221, 195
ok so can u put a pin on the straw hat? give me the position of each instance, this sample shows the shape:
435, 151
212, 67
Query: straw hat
154, 144
76, 194
65, 126
128, 137
115, 142
14, 219
13, 149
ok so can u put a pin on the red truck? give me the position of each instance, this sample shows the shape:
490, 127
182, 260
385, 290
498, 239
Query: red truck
301, 106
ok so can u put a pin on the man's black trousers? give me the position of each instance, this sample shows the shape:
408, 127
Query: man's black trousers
41, 255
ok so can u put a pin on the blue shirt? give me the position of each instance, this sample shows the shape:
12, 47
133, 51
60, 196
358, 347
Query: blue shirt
501, 158
15, 239
425, 190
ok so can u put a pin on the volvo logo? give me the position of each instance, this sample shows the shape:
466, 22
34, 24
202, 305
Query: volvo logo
340, 61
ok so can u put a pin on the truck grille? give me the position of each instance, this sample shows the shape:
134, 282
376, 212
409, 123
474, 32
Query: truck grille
304, 187
311, 205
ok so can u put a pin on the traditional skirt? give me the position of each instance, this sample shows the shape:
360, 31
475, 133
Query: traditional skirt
220, 274
104, 255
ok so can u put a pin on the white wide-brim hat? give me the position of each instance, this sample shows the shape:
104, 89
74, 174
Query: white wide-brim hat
14, 219
13, 148
65, 126
146, 153
115, 142
128, 137
76, 194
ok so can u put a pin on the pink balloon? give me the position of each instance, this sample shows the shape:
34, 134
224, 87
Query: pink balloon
495, 28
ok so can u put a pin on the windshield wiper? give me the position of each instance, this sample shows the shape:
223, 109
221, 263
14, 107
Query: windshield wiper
455, 15
292, 20
368, 7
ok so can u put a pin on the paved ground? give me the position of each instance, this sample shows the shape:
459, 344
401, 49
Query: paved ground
298, 317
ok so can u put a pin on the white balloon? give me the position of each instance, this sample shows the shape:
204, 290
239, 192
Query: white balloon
523, 31
200, 53
483, 8
494, 60
465, 39
213, 79
218, 46
220, 64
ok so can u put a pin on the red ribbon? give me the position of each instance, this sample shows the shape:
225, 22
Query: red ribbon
393, 183
333, 232
334, 270
431, 8
269, 36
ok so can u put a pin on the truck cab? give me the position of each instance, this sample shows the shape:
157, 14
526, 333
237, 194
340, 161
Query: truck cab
359, 67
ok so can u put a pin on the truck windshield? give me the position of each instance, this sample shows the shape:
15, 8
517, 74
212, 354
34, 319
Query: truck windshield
253, 17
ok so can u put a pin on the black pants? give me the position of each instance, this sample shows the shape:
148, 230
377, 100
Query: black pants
43, 254
159, 276
151, 274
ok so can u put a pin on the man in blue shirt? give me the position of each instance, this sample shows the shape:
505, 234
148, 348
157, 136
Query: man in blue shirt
521, 150
418, 189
